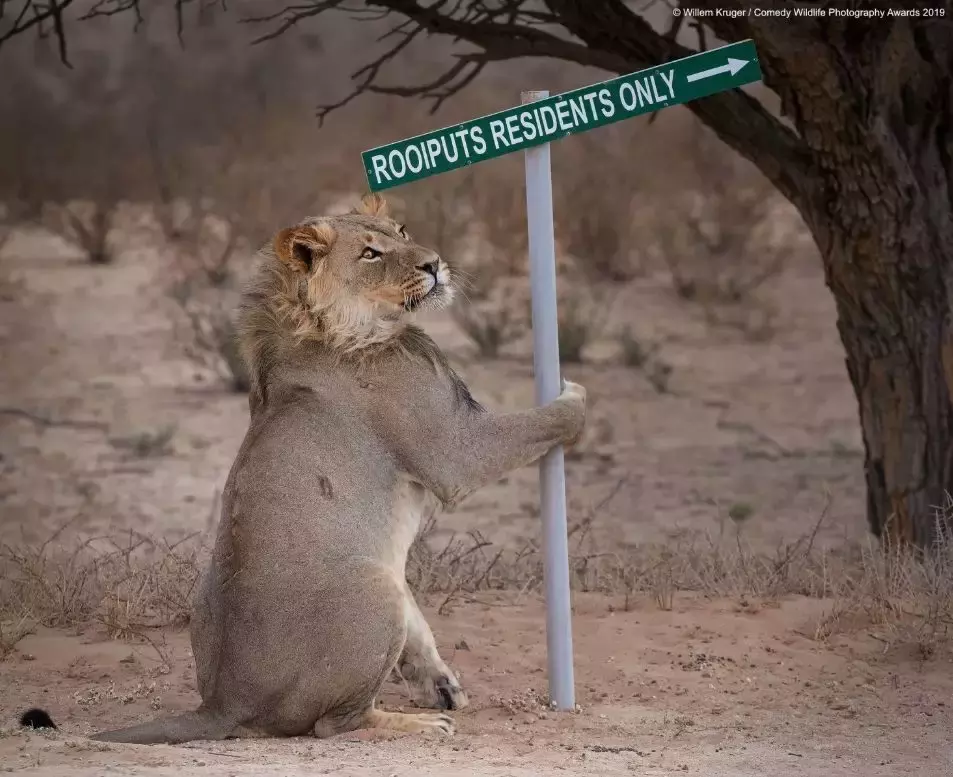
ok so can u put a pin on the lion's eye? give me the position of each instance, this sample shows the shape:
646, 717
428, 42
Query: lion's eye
402, 231
371, 255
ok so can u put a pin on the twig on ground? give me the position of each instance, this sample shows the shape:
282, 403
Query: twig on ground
46, 421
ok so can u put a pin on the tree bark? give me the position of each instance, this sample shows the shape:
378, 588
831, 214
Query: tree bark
874, 109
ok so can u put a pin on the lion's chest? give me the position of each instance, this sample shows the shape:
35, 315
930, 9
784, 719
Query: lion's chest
411, 503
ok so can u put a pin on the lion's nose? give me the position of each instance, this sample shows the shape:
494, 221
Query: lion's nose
430, 267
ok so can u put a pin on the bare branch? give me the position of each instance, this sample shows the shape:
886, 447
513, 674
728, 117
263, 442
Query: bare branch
504, 31
59, 32
608, 35
34, 14
46, 421
702, 36
367, 74
670, 36
291, 15
112, 8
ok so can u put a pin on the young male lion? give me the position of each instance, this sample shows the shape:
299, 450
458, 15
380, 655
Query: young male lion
357, 423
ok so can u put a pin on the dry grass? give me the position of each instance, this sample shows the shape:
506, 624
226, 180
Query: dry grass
904, 595
128, 585
900, 596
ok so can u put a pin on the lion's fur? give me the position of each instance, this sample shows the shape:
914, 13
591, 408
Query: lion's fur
358, 427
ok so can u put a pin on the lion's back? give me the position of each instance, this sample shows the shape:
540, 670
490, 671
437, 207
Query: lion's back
311, 469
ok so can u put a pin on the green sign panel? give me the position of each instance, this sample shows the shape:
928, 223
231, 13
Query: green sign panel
544, 121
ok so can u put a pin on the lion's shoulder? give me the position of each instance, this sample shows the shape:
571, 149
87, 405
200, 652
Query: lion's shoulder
417, 344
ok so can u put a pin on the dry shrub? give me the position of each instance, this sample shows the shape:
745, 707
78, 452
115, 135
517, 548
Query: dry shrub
495, 317
722, 239
592, 204
582, 317
216, 345
906, 594
70, 157
218, 170
645, 356
12, 215
127, 586
86, 225
11, 632
498, 202
212, 216
147, 443
207, 330
901, 596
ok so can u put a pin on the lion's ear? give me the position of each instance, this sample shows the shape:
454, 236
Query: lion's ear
302, 247
372, 205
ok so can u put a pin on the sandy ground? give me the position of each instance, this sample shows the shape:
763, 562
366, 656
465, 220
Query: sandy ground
712, 687
709, 688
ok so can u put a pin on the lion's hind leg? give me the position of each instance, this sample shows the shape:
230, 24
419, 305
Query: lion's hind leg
370, 633
412, 723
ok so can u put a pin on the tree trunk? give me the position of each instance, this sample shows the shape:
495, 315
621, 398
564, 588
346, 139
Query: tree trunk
894, 320
875, 111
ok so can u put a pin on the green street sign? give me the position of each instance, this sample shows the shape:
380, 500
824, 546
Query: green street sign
544, 121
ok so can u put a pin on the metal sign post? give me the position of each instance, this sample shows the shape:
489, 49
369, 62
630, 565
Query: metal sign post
531, 127
552, 475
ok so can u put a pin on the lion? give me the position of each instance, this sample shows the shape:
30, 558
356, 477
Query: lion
358, 428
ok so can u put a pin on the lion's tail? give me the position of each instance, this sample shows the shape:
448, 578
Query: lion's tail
172, 731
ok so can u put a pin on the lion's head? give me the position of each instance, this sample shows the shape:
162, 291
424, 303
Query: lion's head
348, 282
363, 267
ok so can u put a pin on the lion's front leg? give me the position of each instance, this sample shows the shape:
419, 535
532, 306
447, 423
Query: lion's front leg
433, 682
469, 448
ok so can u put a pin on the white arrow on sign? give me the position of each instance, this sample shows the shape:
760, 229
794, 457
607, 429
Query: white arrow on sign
733, 66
